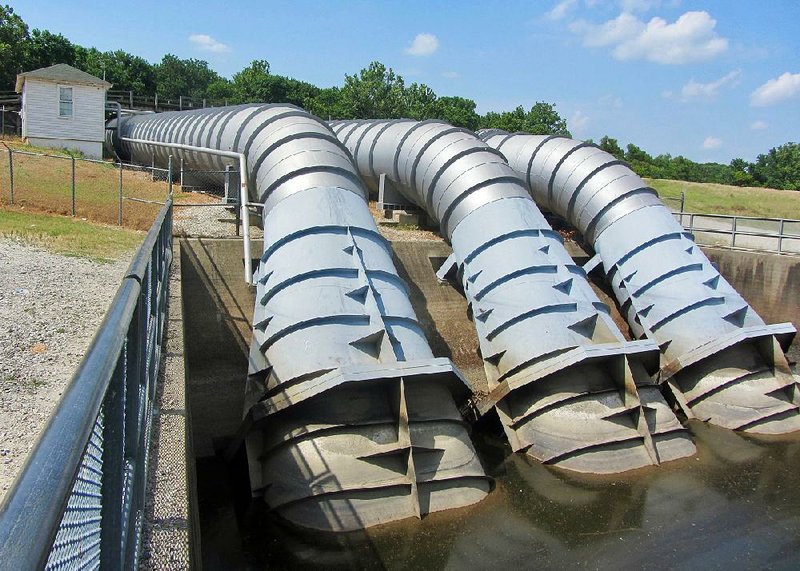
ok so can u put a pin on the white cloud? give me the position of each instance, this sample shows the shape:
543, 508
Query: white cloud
776, 90
611, 101
450, 74
638, 5
206, 43
711, 143
578, 122
708, 91
690, 38
423, 45
560, 10
758, 125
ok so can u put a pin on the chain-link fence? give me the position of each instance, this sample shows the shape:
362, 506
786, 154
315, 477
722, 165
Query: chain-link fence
101, 191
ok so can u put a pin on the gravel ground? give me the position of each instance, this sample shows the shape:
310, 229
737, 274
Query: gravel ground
50, 308
208, 222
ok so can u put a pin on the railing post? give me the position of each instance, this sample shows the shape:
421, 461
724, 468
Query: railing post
169, 174
73, 186
238, 211
228, 183
180, 102
780, 236
733, 238
119, 208
683, 200
11, 174
155, 103
181, 179
111, 538
130, 95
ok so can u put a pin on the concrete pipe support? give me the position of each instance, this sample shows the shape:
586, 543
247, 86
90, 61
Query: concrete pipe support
568, 388
719, 360
349, 419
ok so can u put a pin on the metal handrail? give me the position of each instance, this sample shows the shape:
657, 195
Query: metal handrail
122, 358
780, 235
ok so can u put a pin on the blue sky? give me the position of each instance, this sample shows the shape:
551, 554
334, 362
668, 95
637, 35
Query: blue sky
711, 80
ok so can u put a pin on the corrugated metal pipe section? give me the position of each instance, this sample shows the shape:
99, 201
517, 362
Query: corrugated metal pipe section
350, 420
719, 359
568, 388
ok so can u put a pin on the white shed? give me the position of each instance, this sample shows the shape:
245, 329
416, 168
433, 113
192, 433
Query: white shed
63, 107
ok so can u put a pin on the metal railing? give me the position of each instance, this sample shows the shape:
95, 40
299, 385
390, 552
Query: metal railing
139, 101
80, 498
780, 235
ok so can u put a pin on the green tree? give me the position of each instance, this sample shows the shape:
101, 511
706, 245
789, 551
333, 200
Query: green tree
45, 49
327, 104
779, 168
375, 93
611, 146
175, 77
457, 111
13, 45
543, 119
420, 102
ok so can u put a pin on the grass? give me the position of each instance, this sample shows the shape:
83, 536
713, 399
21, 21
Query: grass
710, 198
44, 184
68, 236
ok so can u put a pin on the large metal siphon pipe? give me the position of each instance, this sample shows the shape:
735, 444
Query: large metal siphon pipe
719, 360
566, 385
349, 419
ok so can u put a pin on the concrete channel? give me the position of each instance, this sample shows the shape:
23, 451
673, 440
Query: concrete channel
734, 502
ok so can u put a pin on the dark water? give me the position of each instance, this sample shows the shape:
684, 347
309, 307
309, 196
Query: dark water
735, 505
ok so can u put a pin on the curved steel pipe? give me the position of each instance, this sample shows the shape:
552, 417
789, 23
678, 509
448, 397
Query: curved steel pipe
721, 362
568, 388
350, 420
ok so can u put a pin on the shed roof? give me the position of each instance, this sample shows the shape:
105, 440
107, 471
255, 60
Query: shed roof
61, 73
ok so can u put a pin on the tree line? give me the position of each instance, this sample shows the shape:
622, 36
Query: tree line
374, 92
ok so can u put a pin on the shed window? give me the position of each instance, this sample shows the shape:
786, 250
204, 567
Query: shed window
65, 101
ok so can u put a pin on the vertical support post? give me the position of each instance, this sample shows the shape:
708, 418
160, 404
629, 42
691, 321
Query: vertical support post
153, 166
733, 240
204, 102
73, 186
243, 198
228, 183
111, 548
11, 174
780, 236
180, 102
181, 179
382, 191
169, 174
683, 201
155, 102
119, 207
130, 98
3, 123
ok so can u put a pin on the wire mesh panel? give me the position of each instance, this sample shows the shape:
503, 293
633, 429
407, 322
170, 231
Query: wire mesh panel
79, 503
5, 177
77, 543
43, 182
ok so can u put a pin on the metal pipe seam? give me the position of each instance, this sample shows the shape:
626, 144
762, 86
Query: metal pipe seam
720, 362
556, 393
349, 419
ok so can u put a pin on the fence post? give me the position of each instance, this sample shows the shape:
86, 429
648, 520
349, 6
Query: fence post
780, 236
733, 239
204, 102
180, 102
238, 210
119, 208
169, 173
683, 201
155, 104
73, 186
11, 174
130, 98
181, 179
228, 183
3, 123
